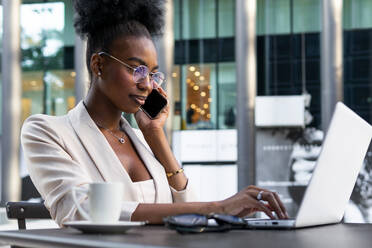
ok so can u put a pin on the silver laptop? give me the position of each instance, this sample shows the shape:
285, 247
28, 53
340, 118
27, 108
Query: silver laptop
334, 176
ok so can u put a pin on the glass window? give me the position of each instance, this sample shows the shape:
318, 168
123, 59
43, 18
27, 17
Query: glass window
203, 86
357, 57
306, 16
273, 16
226, 95
226, 18
198, 19
178, 124
288, 16
47, 58
198, 94
357, 14
177, 14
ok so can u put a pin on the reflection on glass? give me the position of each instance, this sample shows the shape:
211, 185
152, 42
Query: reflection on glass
227, 96
48, 87
59, 97
199, 19
198, 86
176, 97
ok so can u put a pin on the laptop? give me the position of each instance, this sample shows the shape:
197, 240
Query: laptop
334, 176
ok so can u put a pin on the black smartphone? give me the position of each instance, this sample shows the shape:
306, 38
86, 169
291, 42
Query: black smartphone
154, 103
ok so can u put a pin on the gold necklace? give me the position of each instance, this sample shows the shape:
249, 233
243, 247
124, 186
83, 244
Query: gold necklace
121, 139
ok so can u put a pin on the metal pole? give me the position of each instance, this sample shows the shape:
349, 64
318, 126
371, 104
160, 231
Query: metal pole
331, 60
11, 102
165, 49
82, 76
245, 52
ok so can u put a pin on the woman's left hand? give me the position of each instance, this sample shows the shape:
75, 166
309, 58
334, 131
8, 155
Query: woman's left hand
146, 124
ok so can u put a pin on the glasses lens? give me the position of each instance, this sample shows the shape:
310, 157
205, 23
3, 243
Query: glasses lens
157, 79
140, 73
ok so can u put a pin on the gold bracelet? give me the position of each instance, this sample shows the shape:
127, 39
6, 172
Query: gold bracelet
170, 174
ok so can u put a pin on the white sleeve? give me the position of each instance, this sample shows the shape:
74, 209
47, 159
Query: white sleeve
186, 195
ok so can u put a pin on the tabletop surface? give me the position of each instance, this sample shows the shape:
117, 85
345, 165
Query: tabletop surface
340, 235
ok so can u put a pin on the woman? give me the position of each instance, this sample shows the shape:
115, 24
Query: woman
94, 143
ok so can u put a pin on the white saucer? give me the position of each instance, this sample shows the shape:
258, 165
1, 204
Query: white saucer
90, 227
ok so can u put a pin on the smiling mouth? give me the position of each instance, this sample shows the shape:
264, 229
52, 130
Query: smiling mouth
139, 99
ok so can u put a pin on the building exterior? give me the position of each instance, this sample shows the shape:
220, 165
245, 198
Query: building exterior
204, 74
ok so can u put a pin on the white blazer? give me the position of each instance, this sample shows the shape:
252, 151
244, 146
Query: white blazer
66, 151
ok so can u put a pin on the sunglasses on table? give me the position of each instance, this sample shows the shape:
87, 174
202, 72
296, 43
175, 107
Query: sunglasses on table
197, 223
141, 72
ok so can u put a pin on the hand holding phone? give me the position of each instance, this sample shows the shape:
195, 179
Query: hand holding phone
154, 104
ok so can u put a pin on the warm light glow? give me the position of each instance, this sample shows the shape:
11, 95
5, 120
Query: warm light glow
188, 80
192, 68
193, 106
208, 116
196, 87
209, 99
73, 74
202, 112
205, 106
197, 73
198, 110
192, 84
202, 78
33, 83
174, 74
203, 94
209, 87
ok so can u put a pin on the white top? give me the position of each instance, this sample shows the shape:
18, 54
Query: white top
146, 191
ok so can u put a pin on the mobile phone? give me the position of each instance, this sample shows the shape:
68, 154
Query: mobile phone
155, 102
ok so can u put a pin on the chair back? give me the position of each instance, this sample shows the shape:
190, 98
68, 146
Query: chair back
23, 210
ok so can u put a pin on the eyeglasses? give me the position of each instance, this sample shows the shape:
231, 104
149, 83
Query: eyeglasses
197, 223
141, 72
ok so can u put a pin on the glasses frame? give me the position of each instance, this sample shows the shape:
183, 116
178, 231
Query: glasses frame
149, 73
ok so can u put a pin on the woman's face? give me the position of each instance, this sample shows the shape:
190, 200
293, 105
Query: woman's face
116, 80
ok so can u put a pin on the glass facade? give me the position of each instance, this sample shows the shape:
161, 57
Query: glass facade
288, 49
47, 57
289, 37
288, 57
204, 71
357, 56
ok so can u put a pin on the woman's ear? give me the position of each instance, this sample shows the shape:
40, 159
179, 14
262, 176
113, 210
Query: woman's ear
96, 64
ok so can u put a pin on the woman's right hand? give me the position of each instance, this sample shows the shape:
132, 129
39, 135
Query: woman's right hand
245, 203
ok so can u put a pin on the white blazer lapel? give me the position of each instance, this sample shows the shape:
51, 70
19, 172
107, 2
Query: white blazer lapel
163, 193
104, 158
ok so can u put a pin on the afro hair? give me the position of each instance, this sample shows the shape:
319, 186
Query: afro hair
93, 16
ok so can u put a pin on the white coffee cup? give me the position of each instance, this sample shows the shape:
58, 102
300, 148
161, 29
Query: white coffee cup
105, 201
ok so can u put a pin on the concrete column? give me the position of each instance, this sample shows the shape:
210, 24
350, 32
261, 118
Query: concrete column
331, 59
246, 80
165, 49
11, 102
82, 75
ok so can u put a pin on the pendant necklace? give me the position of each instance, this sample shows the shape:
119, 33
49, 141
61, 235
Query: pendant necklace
120, 139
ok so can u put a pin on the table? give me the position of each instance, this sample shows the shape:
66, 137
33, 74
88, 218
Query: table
340, 235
